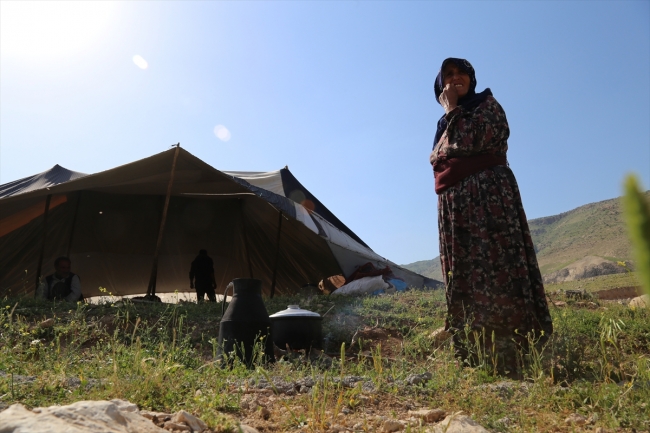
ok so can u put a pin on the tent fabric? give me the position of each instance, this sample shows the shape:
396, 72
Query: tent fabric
284, 183
269, 180
51, 177
108, 224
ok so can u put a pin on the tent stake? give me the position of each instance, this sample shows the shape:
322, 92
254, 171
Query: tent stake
42, 254
246, 246
74, 223
277, 254
151, 289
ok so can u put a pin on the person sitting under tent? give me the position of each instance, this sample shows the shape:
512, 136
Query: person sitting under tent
202, 277
62, 284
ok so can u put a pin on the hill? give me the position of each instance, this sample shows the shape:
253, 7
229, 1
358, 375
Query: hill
595, 229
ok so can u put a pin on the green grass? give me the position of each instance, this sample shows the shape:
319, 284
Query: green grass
595, 284
158, 356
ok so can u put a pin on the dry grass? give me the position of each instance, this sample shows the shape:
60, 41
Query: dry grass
159, 356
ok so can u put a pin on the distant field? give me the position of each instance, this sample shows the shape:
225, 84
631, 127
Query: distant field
595, 229
595, 284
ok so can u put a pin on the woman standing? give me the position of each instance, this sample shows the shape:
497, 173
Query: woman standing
488, 260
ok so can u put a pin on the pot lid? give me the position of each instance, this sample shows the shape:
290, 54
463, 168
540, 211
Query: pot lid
294, 311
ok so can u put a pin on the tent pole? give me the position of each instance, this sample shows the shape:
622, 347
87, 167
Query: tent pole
151, 290
246, 246
40, 256
277, 254
74, 223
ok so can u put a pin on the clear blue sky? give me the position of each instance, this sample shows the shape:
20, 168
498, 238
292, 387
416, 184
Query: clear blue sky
341, 92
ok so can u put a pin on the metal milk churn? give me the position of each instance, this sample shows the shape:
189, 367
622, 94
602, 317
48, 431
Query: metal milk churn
245, 327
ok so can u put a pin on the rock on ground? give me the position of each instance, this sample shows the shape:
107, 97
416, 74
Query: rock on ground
440, 336
458, 423
428, 415
391, 425
196, 424
115, 416
640, 302
576, 419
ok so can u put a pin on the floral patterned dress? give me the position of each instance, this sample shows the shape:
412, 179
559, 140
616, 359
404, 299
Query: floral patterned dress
488, 259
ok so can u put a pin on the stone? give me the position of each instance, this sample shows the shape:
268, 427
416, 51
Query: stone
306, 381
428, 415
17, 378
351, 381
47, 323
458, 423
559, 304
125, 406
440, 336
156, 417
505, 421
336, 428
391, 425
417, 379
79, 417
576, 419
243, 428
196, 424
173, 426
640, 302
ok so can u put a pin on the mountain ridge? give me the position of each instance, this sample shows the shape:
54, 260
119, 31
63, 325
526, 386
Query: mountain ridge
593, 229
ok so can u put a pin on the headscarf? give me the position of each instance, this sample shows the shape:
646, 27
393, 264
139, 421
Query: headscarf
470, 100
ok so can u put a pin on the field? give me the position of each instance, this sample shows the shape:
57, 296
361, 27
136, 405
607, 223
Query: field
161, 357
595, 229
595, 284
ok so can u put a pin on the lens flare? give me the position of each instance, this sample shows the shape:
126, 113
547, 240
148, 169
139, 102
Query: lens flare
222, 133
140, 62
309, 205
297, 196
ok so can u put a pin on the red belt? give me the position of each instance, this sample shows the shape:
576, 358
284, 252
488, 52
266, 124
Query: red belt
450, 171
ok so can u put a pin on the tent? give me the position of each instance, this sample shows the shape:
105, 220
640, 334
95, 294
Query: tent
141, 224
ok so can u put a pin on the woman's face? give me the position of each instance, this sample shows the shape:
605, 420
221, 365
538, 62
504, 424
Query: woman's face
457, 78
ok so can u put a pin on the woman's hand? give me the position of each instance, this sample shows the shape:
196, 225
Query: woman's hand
449, 98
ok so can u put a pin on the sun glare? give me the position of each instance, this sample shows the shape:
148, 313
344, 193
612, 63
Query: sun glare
38, 29
140, 62
222, 133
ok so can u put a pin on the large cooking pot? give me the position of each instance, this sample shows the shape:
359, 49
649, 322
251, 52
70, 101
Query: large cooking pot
297, 328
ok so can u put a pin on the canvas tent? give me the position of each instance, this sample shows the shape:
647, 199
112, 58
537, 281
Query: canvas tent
261, 225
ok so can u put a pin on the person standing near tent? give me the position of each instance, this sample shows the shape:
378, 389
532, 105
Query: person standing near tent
489, 266
62, 284
202, 277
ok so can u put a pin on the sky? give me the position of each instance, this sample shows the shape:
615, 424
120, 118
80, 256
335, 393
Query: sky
340, 92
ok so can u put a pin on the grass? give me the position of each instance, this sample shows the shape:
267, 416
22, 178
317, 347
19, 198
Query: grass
160, 357
595, 284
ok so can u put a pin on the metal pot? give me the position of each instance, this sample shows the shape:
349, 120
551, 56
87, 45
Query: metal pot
297, 328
